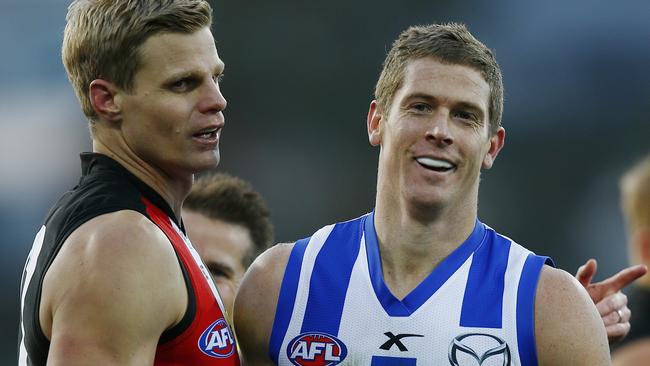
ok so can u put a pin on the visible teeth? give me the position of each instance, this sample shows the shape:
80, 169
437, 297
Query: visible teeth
435, 163
206, 134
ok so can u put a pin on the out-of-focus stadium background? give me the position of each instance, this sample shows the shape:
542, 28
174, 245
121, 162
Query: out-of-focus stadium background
299, 77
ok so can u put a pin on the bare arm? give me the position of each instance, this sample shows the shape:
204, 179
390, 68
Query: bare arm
113, 289
256, 302
568, 328
610, 301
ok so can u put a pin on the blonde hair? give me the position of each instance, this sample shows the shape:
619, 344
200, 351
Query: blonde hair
635, 193
449, 43
102, 38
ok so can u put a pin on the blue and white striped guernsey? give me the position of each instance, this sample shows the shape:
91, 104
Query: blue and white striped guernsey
475, 308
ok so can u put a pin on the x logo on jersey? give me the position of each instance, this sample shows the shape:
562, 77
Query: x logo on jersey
396, 340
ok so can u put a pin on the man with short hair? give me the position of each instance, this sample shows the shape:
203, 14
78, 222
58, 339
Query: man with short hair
420, 280
111, 278
229, 224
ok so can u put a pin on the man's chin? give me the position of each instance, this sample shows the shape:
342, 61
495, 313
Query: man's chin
208, 161
427, 202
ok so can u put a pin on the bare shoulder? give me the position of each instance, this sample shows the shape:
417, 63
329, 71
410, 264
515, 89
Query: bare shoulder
256, 302
117, 280
568, 328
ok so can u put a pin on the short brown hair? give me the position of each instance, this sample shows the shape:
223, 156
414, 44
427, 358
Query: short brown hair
635, 192
102, 38
449, 43
233, 200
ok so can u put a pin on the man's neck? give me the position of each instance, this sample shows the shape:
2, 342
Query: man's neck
172, 189
410, 248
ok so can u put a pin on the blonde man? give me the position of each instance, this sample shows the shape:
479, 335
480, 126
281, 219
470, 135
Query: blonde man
635, 202
420, 280
111, 278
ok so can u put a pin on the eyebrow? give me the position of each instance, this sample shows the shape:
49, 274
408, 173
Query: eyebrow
218, 70
472, 107
457, 105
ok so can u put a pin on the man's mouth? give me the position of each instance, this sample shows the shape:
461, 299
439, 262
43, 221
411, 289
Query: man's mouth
437, 165
207, 134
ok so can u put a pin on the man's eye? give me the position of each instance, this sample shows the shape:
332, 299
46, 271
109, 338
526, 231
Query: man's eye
182, 85
421, 107
465, 115
218, 273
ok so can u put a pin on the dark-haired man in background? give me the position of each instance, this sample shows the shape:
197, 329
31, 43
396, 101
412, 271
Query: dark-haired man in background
229, 224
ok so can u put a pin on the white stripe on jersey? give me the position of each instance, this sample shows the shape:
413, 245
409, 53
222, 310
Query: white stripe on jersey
199, 263
28, 273
429, 331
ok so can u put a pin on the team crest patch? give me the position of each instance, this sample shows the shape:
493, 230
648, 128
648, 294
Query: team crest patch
217, 340
479, 349
316, 349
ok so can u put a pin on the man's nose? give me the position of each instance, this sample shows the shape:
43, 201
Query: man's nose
213, 100
438, 130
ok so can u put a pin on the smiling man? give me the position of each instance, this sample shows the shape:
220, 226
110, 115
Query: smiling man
421, 280
111, 278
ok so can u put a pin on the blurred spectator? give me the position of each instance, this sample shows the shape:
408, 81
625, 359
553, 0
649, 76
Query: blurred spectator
229, 226
635, 201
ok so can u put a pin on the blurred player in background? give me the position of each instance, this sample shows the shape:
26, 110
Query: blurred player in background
229, 225
635, 202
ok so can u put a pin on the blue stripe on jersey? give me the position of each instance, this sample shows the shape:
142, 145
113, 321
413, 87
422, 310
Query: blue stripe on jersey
526, 307
331, 276
287, 298
429, 285
483, 299
392, 361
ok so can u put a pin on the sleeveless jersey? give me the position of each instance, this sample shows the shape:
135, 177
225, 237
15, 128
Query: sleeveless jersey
475, 308
203, 337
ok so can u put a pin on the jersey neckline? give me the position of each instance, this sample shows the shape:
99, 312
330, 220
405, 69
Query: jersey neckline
93, 160
431, 283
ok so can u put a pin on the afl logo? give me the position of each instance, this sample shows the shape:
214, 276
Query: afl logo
476, 348
217, 340
316, 349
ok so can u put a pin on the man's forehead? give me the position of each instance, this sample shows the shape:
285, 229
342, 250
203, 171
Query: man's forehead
180, 52
429, 75
433, 67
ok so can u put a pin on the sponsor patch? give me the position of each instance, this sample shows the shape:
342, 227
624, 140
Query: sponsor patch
316, 349
478, 349
217, 340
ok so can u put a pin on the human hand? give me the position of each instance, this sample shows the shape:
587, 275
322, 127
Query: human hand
610, 302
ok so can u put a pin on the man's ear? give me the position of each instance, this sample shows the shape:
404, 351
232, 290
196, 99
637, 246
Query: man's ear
496, 144
375, 116
103, 97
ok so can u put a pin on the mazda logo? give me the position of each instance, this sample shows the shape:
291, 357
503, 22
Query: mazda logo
480, 347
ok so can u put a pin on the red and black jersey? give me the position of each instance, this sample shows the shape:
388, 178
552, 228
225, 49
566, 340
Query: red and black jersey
202, 337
